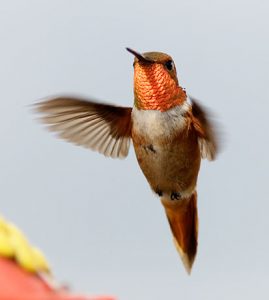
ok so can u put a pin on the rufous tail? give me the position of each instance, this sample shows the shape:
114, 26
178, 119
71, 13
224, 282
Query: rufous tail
183, 220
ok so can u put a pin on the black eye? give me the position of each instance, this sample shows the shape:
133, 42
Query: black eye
169, 65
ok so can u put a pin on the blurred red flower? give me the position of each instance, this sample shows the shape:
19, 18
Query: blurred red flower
24, 271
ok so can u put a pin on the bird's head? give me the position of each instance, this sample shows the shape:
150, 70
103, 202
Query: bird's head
155, 81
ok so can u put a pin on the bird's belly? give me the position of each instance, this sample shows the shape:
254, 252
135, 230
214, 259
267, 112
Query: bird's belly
168, 156
168, 168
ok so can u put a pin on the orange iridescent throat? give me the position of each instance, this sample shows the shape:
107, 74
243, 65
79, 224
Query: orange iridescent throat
155, 88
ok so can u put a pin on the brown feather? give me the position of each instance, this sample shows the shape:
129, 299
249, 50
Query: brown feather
183, 220
207, 137
100, 127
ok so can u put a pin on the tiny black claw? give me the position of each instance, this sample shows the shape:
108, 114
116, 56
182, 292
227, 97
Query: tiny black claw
159, 192
175, 196
150, 148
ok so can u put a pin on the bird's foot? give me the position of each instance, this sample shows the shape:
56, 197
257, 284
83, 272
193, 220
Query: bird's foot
175, 196
159, 192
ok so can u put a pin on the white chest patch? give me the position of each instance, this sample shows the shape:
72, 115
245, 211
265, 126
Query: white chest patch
152, 124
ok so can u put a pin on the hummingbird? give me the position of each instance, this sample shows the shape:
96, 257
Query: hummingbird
170, 133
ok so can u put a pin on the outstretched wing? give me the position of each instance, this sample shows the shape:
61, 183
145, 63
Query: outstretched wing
100, 127
204, 127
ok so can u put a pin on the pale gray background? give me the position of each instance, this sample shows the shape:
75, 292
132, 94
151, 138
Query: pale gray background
96, 219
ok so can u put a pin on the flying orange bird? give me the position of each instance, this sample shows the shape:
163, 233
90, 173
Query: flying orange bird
170, 136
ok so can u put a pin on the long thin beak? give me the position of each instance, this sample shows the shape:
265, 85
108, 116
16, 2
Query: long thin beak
138, 55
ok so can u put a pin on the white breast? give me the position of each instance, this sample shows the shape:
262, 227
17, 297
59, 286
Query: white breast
152, 124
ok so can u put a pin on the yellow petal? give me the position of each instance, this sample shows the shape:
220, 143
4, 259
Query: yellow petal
6, 248
40, 260
14, 244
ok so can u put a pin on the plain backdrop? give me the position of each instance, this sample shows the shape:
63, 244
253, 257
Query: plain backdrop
96, 218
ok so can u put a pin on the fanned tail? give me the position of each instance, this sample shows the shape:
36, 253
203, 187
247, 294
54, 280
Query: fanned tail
183, 220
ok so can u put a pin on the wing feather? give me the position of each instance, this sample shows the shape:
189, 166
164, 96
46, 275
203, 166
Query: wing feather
101, 127
206, 130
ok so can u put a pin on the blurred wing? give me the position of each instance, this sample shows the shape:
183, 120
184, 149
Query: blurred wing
204, 127
100, 127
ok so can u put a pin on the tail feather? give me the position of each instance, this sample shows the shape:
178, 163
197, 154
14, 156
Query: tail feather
183, 220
